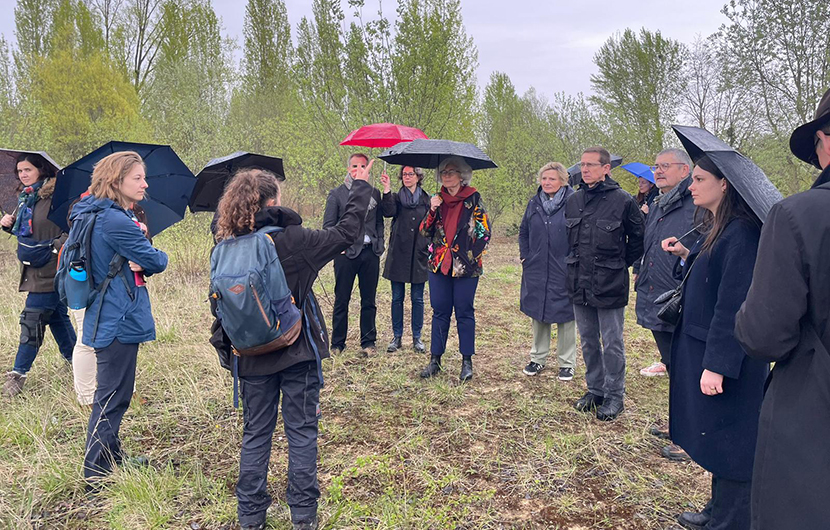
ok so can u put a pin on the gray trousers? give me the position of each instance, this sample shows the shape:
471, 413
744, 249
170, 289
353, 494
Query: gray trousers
565, 344
605, 362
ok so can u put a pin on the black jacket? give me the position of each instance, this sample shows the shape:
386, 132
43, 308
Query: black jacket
672, 214
605, 236
543, 247
302, 252
786, 320
336, 208
406, 260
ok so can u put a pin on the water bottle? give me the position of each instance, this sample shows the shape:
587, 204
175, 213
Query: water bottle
77, 286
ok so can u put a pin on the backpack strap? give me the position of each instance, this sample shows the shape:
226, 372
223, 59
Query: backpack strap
116, 268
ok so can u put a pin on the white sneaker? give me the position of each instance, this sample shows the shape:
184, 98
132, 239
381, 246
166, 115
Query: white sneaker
654, 370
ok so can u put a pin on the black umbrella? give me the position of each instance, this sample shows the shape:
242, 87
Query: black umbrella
429, 153
575, 172
8, 176
747, 178
170, 184
211, 181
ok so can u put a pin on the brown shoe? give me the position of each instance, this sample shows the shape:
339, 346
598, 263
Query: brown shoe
14, 384
369, 351
675, 453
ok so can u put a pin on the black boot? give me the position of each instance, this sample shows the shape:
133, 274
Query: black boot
433, 367
610, 409
466, 368
418, 345
395, 345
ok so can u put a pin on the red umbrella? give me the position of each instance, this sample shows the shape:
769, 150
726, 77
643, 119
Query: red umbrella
383, 135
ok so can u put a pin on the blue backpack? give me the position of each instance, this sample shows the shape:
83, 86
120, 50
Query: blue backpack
253, 301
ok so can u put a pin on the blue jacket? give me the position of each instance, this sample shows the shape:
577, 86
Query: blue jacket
125, 316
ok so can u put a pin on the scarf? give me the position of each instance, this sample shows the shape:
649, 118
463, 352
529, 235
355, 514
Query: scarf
25, 206
451, 208
409, 199
664, 200
551, 204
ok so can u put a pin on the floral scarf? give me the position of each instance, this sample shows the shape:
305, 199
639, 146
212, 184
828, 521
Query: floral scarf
25, 208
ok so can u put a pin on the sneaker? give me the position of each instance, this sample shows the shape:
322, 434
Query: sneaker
566, 374
14, 383
533, 368
654, 370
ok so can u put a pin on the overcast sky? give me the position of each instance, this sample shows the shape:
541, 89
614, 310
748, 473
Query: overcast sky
547, 44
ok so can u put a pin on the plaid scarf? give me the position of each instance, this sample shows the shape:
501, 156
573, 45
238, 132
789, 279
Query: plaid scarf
25, 206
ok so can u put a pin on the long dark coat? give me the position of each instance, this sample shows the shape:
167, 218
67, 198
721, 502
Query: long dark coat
407, 254
543, 247
717, 431
672, 214
786, 320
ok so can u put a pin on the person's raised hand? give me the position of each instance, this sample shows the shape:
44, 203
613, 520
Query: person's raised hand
673, 246
363, 172
384, 179
7, 221
435, 202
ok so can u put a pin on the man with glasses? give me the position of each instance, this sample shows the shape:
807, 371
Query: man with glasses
605, 236
671, 215
786, 320
361, 260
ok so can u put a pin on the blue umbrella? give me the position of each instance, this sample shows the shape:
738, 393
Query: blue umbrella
170, 184
639, 170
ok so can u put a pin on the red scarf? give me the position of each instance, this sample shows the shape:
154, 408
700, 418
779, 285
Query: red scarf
450, 209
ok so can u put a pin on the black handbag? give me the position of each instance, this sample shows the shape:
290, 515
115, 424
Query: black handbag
670, 312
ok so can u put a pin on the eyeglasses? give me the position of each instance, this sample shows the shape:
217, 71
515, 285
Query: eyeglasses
449, 172
589, 164
665, 166
408, 174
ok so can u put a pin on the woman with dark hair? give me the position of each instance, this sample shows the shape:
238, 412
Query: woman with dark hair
406, 258
251, 202
715, 389
458, 229
647, 191
39, 241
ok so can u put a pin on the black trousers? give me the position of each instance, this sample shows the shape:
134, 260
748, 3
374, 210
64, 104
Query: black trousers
366, 268
300, 388
663, 340
116, 382
728, 508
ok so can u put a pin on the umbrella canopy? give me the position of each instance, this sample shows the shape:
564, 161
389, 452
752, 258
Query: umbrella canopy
383, 135
429, 153
8, 176
211, 181
747, 178
575, 173
639, 170
170, 184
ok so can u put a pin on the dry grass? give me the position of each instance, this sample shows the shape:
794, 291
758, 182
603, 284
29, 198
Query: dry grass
504, 451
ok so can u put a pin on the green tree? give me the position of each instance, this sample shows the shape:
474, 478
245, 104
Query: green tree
33, 24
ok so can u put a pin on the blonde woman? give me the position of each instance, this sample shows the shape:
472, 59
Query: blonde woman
118, 318
543, 246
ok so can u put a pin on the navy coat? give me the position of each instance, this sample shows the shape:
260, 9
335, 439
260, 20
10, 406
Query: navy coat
125, 316
543, 247
717, 431
672, 214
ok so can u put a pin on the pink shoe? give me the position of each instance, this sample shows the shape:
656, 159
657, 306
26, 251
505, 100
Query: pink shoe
654, 370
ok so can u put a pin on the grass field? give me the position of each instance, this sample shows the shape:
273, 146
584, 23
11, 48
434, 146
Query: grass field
503, 451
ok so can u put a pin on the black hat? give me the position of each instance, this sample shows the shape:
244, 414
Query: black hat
803, 139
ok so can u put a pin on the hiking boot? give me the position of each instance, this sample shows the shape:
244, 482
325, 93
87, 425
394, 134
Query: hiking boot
654, 370
14, 383
610, 409
675, 453
418, 346
466, 368
588, 402
433, 367
566, 374
310, 524
533, 368
659, 432
368, 350
395, 345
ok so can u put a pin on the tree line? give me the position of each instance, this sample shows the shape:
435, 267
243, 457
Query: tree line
83, 72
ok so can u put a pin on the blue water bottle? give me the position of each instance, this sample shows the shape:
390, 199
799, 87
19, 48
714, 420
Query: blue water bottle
77, 286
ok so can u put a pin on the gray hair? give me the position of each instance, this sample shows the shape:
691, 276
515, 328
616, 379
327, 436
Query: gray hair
680, 155
461, 164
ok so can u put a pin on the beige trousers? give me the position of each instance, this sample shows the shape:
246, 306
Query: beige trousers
565, 344
84, 363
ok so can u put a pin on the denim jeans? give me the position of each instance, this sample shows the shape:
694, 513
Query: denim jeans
57, 318
603, 349
416, 293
